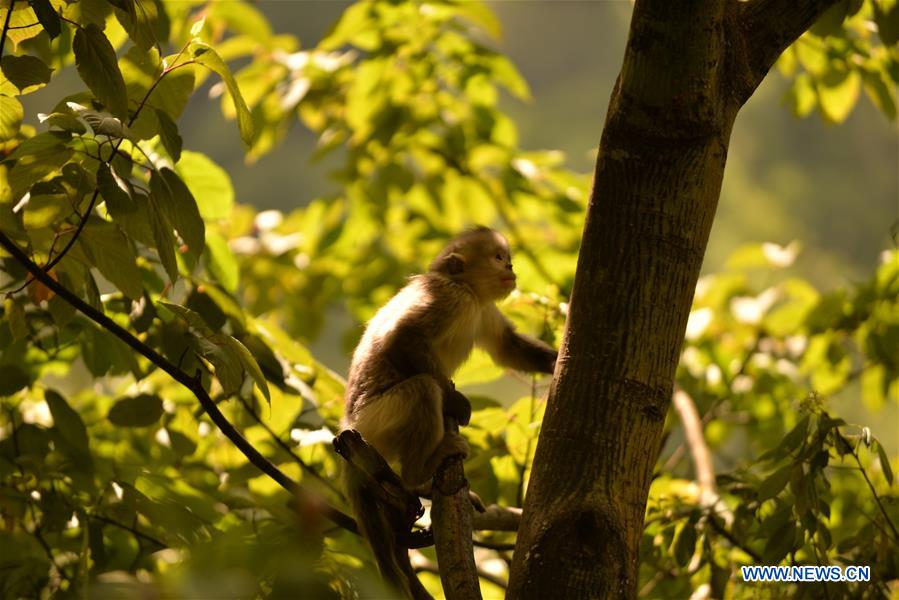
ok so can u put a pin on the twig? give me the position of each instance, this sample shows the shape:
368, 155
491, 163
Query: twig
248, 450
133, 530
90, 207
713, 521
876, 497
702, 460
283, 445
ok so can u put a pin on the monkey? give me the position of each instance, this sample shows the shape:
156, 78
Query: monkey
399, 389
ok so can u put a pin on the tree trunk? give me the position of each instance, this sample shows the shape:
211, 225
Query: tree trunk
688, 68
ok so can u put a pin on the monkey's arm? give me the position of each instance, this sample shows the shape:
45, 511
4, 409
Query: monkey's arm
511, 349
410, 352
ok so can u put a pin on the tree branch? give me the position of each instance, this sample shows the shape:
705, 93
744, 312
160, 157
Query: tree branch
451, 517
702, 460
286, 448
770, 26
191, 383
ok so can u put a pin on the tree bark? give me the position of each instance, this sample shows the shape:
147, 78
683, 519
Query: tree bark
688, 67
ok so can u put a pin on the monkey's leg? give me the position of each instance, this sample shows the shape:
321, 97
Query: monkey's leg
405, 423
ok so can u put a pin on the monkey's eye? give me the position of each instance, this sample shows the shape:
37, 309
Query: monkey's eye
499, 257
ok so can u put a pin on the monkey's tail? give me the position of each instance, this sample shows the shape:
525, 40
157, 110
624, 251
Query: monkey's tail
380, 527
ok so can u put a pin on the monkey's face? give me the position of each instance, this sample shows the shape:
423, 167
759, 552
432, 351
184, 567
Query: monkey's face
488, 268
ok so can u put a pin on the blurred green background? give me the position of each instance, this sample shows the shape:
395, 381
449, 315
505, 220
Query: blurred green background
835, 188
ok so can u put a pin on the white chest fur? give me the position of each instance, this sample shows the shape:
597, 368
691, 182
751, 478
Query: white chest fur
454, 345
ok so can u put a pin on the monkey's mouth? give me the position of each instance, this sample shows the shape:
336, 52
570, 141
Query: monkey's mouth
508, 280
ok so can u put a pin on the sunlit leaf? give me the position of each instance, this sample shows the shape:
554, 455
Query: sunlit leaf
204, 54
208, 183
11, 114
95, 60
837, 93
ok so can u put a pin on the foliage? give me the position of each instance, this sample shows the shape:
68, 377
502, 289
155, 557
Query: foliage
113, 479
852, 47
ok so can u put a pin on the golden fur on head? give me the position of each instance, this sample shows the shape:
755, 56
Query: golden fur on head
480, 258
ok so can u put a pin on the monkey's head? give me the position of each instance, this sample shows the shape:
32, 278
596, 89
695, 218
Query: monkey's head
480, 258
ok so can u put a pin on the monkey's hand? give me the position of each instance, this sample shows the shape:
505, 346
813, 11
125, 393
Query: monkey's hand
456, 405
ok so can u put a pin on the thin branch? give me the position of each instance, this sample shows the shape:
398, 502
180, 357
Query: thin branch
721, 529
702, 460
90, 207
497, 518
133, 530
189, 382
876, 496
284, 446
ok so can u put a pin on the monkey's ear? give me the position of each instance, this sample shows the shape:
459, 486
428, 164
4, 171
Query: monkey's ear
451, 264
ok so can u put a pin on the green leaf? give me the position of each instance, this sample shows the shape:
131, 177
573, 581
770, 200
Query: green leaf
796, 436
838, 93
36, 158
67, 421
208, 183
25, 72
138, 18
881, 92
12, 379
136, 411
63, 120
220, 262
164, 239
168, 133
179, 207
141, 69
886, 15
15, 314
206, 56
182, 445
884, 463
47, 17
95, 60
774, 484
112, 254
11, 114
841, 444
129, 212
252, 367
685, 545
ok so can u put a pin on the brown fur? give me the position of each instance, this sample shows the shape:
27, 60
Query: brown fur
399, 387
